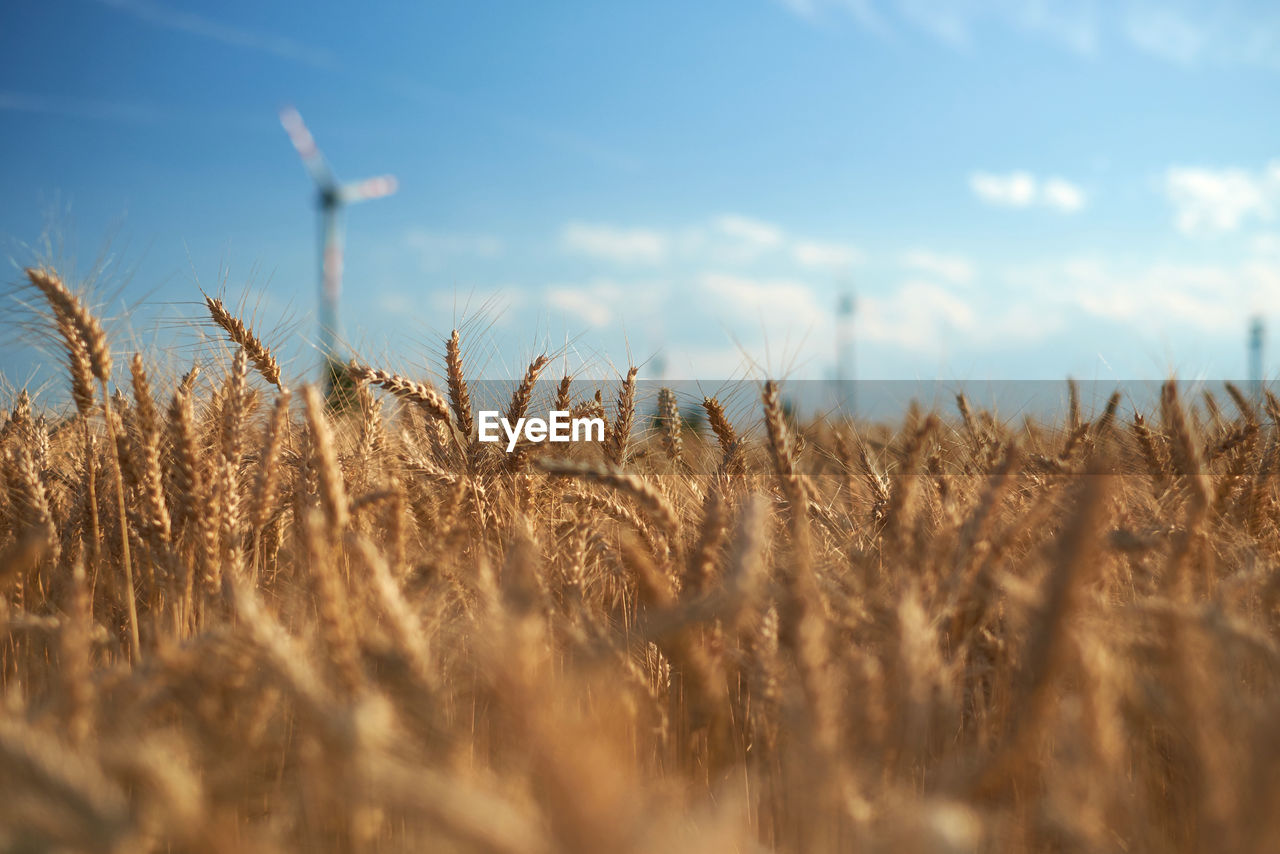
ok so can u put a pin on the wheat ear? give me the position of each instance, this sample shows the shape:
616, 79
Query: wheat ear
524, 391
424, 396
240, 333
459, 396
616, 448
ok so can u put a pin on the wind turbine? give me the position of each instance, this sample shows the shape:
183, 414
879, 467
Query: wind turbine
330, 197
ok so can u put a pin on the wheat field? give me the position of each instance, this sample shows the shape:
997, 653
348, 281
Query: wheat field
235, 618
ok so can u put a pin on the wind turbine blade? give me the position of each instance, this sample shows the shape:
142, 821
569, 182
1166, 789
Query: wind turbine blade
370, 188
306, 146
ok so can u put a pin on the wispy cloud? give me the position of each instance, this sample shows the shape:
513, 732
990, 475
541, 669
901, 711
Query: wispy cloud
180, 20
602, 302
435, 249
950, 268
1154, 298
1267, 246
1072, 24
781, 303
947, 22
918, 317
1062, 195
936, 308
611, 243
1149, 300
758, 235
594, 304
1222, 31
1020, 189
1165, 33
79, 108
862, 11
1213, 201
1015, 190
821, 256
201, 26
729, 239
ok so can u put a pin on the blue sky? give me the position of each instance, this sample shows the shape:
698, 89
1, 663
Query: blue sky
1015, 189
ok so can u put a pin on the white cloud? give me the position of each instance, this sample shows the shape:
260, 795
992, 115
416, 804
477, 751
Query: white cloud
916, 316
620, 245
947, 22
814, 255
1015, 190
607, 303
79, 108
951, 268
1062, 195
726, 240
1166, 33
780, 303
1166, 294
733, 239
928, 317
594, 303
753, 233
803, 8
1189, 32
1071, 23
498, 303
1208, 201
1267, 246
182, 21
1160, 297
861, 11
1021, 189
925, 318
702, 362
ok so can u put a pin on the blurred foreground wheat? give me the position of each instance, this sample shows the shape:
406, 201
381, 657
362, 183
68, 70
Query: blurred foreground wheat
234, 620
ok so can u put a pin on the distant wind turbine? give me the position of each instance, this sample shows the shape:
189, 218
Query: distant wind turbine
330, 197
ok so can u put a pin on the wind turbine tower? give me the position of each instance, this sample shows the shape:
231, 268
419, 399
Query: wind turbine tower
330, 197
1257, 338
845, 398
